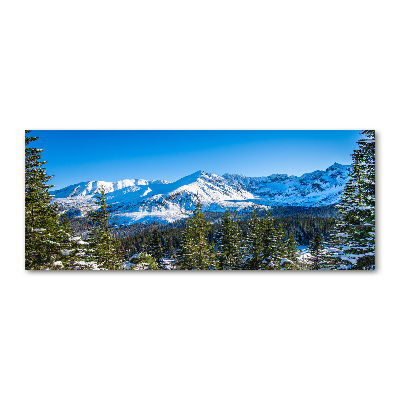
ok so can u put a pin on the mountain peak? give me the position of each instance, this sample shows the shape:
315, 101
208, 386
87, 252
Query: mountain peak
336, 165
138, 200
199, 174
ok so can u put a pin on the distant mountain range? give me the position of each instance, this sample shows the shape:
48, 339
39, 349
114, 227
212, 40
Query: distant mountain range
139, 200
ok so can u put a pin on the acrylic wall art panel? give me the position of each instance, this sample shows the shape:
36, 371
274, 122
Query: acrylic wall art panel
200, 200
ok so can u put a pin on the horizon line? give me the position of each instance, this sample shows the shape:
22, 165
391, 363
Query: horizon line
203, 171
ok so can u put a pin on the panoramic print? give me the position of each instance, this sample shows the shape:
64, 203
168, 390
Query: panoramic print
200, 200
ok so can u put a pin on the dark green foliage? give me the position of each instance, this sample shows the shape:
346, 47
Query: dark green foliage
355, 230
196, 252
155, 246
291, 253
134, 239
103, 245
268, 241
74, 252
230, 246
291, 247
273, 243
146, 261
44, 236
316, 249
254, 244
138, 238
279, 246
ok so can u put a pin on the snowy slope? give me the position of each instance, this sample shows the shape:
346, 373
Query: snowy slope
317, 188
135, 200
91, 188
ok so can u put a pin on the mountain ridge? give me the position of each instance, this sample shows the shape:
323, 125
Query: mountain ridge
140, 200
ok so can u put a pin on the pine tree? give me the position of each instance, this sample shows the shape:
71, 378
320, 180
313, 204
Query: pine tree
268, 239
169, 247
44, 237
155, 246
103, 246
80, 252
74, 248
254, 244
196, 252
273, 247
146, 261
279, 250
229, 244
333, 247
355, 231
291, 251
316, 250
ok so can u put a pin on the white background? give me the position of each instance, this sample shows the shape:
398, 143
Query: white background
199, 65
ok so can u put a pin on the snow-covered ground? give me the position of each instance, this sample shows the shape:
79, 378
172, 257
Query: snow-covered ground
166, 263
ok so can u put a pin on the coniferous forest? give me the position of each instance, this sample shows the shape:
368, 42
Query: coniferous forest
340, 236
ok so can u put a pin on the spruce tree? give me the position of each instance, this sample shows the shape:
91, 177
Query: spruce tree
79, 254
145, 261
333, 245
355, 231
196, 252
230, 244
169, 247
316, 250
155, 246
291, 251
268, 239
254, 244
103, 246
44, 236
279, 246
273, 247
74, 249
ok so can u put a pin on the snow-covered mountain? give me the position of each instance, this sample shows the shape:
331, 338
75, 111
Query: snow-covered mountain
316, 188
139, 200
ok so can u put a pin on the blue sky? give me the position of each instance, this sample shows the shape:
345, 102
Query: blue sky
79, 156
